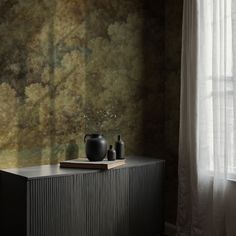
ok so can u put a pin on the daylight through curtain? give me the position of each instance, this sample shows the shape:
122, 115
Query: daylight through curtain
207, 151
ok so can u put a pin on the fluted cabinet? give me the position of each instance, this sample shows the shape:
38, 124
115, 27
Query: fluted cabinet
52, 201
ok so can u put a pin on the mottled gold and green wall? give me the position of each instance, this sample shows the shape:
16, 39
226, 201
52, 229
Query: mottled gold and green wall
70, 67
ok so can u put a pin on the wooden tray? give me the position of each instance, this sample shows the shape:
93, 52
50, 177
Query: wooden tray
86, 164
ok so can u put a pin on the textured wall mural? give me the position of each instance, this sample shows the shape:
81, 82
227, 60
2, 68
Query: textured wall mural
68, 67
71, 67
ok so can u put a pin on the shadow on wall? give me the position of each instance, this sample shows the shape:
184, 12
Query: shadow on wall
154, 78
33, 80
75, 67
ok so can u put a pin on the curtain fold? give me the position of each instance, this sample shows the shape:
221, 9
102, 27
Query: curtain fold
207, 148
188, 120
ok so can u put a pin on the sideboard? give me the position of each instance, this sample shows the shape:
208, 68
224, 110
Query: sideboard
52, 201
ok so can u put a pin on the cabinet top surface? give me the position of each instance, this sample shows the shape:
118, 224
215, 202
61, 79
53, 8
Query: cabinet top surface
55, 170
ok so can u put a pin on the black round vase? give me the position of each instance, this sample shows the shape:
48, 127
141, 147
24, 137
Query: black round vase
96, 147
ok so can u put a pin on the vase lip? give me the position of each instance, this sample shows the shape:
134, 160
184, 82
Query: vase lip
96, 135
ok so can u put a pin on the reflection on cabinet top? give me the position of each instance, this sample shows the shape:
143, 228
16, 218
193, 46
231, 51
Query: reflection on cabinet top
55, 170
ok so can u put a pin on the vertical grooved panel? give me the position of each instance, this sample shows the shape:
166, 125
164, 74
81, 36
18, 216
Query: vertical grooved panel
118, 202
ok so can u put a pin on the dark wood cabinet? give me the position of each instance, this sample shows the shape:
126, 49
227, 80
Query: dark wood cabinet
52, 201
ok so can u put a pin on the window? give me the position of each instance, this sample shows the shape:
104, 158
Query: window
217, 85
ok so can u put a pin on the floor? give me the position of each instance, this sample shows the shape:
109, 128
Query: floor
170, 229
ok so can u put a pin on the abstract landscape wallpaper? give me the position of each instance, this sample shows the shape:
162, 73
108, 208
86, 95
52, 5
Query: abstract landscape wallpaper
69, 67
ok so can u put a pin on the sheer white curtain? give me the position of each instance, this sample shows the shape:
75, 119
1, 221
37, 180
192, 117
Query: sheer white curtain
207, 151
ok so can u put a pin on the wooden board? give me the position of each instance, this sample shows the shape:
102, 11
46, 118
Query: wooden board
86, 164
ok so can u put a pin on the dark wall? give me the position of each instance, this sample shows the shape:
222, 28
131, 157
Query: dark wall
154, 77
162, 65
173, 34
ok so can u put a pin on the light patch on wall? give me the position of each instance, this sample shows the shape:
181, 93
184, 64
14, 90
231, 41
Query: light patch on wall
68, 68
